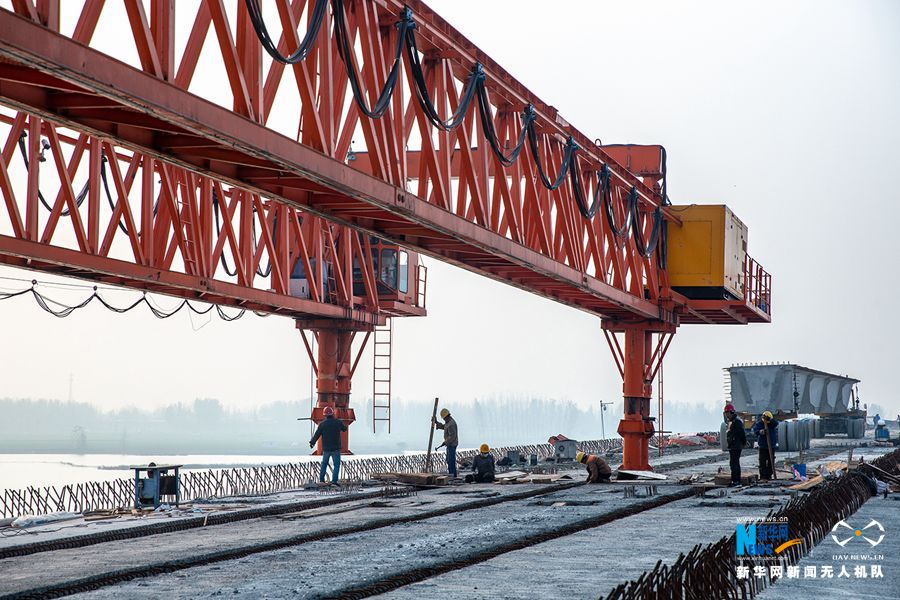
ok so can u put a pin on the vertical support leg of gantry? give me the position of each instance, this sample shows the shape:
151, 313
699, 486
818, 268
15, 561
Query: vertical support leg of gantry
334, 364
638, 360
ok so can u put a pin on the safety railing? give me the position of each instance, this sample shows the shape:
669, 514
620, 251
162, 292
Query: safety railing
221, 483
757, 286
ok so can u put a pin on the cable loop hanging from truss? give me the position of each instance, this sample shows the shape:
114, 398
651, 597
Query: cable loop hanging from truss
630, 203
645, 249
474, 85
568, 155
306, 44
601, 193
345, 51
474, 89
215, 203
487, 124
62, 310
79, 199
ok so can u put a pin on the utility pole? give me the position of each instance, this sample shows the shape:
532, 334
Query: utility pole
603, 406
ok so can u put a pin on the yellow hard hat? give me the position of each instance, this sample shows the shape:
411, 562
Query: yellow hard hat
767, 414
484, 448
580, 456
445, 413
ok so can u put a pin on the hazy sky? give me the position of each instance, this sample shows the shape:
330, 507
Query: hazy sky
787, 112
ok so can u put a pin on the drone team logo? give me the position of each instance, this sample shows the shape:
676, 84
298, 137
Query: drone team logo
857, 533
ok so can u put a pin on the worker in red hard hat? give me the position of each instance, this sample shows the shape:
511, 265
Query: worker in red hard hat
597, 468
330, 431
735, 440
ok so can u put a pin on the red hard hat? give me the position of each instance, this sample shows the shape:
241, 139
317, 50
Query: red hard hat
729, 408
329, 411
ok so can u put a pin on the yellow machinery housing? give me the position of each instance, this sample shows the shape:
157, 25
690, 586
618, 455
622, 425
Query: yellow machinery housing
706, 254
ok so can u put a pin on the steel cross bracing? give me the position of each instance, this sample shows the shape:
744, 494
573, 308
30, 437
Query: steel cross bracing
199, 119
154, 226
428, 189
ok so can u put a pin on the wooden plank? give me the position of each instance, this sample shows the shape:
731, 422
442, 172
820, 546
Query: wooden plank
747, 478
511, 475
641, 475
810, 483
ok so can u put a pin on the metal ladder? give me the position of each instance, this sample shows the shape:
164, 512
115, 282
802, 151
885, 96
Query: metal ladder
381, 374
330, 292
190, 255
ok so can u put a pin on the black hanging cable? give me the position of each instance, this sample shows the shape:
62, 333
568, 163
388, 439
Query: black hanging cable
568, 154
65, 311
487, 124
268, 270
215, 203
600, 193
8, 295
109, 200
630, 203
645, 249
225, 317
306, 44
79, 199
61, 310
420, 86
664, 192
345, 51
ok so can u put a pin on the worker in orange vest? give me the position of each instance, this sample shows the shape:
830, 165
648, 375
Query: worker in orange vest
597, 468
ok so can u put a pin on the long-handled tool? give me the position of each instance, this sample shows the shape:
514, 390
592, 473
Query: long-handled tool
431, 436
771, 452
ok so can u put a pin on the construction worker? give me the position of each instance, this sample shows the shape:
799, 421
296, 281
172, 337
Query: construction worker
766, 430
330, 431
597, 468
451, 439
483, 467
735, 440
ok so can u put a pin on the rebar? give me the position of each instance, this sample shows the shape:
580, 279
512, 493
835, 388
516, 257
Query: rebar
222, 483
711, 571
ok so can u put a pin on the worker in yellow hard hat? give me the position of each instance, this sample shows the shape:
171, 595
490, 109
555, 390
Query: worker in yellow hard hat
451, 438
597, 468
766, 430
483, 466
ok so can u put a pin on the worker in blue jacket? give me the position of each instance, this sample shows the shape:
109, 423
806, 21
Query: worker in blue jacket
330, 431
766, 430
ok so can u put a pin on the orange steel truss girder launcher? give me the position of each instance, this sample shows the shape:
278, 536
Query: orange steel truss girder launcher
442, 193
168, 230
519, 234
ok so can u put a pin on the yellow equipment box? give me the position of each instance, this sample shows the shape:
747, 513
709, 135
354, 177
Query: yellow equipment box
706, 254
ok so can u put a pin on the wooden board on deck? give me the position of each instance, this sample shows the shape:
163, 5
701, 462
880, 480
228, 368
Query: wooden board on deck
413, 478
747, 478
542, 478
629, 475
832, 466
510, 475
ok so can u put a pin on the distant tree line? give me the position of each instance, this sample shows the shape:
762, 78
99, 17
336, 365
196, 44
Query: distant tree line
205, 426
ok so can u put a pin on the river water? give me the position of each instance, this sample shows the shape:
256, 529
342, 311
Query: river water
18, 471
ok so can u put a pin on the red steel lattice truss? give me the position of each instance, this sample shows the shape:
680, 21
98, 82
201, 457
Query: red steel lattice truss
285, 144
